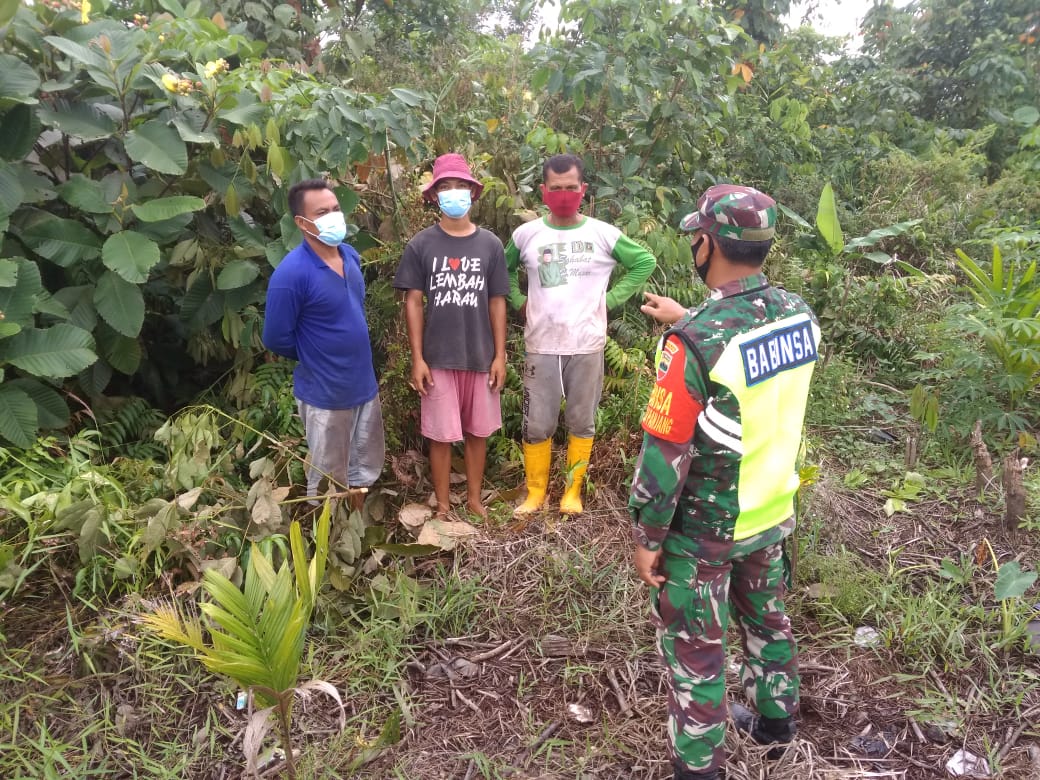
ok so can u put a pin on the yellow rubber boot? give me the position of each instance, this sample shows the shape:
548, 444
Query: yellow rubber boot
578, 453
537, 458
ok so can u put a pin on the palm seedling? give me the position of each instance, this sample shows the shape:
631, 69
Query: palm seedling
256, 635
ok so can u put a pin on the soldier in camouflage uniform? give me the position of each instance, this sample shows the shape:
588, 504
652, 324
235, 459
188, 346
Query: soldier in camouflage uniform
712, 497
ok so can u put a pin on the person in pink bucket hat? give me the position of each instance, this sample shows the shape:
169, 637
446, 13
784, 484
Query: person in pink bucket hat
454, 279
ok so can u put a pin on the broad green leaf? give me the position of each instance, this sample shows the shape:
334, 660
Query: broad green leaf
827, 221
130, 255
275, 253
64, 82
49, 305
19, 82
167, 208
8, 272
874, 236
125, 567
881, 258
18, 423
910, 270
11, 191
55, 352
91, 534
201, 305
539, 79
85, 194
189, 125
163, 523
36, 187
79, 302
219, 179
158, 147
1012, 582
1026, 115
82, 54
122, 352
96, 378
250, 236
71, 516
555, 82
62, 241
245, 115
19, 129
79, 120
285, 14
237, 273
407, 96
165, 231
120, 303
348, 198
17, 302
51, 409
174, 7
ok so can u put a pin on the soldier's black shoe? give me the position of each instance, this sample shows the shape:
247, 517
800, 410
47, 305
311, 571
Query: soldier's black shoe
764, 731
682, 773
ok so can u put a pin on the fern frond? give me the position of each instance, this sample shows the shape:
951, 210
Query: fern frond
131, 422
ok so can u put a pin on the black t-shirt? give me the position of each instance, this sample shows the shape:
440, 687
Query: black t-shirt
458, 275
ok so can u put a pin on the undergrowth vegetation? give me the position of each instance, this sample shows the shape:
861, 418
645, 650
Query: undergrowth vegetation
151, 453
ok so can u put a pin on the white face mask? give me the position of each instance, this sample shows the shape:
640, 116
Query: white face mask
332, 228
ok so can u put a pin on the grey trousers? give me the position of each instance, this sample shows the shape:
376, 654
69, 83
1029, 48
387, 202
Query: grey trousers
548, 379
345, 445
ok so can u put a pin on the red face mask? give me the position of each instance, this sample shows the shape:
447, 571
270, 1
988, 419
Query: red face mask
563, 203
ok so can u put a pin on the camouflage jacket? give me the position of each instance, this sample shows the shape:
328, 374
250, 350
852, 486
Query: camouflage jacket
724, 422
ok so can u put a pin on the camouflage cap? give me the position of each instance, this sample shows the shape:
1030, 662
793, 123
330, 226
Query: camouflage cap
731, 211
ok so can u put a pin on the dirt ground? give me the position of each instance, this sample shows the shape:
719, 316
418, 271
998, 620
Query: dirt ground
553, 675
531, 693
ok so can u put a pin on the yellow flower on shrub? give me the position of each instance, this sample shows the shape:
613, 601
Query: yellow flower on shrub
215, 68
177, 85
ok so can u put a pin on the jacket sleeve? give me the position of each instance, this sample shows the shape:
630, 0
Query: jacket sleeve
659, 479
638, 264
516, 298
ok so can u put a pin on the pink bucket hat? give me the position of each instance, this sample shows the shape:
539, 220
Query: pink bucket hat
451, 166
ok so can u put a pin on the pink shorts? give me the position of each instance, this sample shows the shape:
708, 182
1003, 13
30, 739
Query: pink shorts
459, 402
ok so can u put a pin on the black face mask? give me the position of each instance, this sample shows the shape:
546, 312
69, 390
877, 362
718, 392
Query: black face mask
702, 270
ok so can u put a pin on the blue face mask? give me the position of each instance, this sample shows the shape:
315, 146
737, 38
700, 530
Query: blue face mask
332, 228
455, 203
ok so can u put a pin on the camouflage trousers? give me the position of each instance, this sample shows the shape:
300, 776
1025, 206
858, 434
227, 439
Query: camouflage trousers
691, 613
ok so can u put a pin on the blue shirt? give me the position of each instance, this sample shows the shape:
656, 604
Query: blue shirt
318, 318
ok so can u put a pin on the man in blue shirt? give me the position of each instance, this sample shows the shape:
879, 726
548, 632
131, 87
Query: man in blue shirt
316, 315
